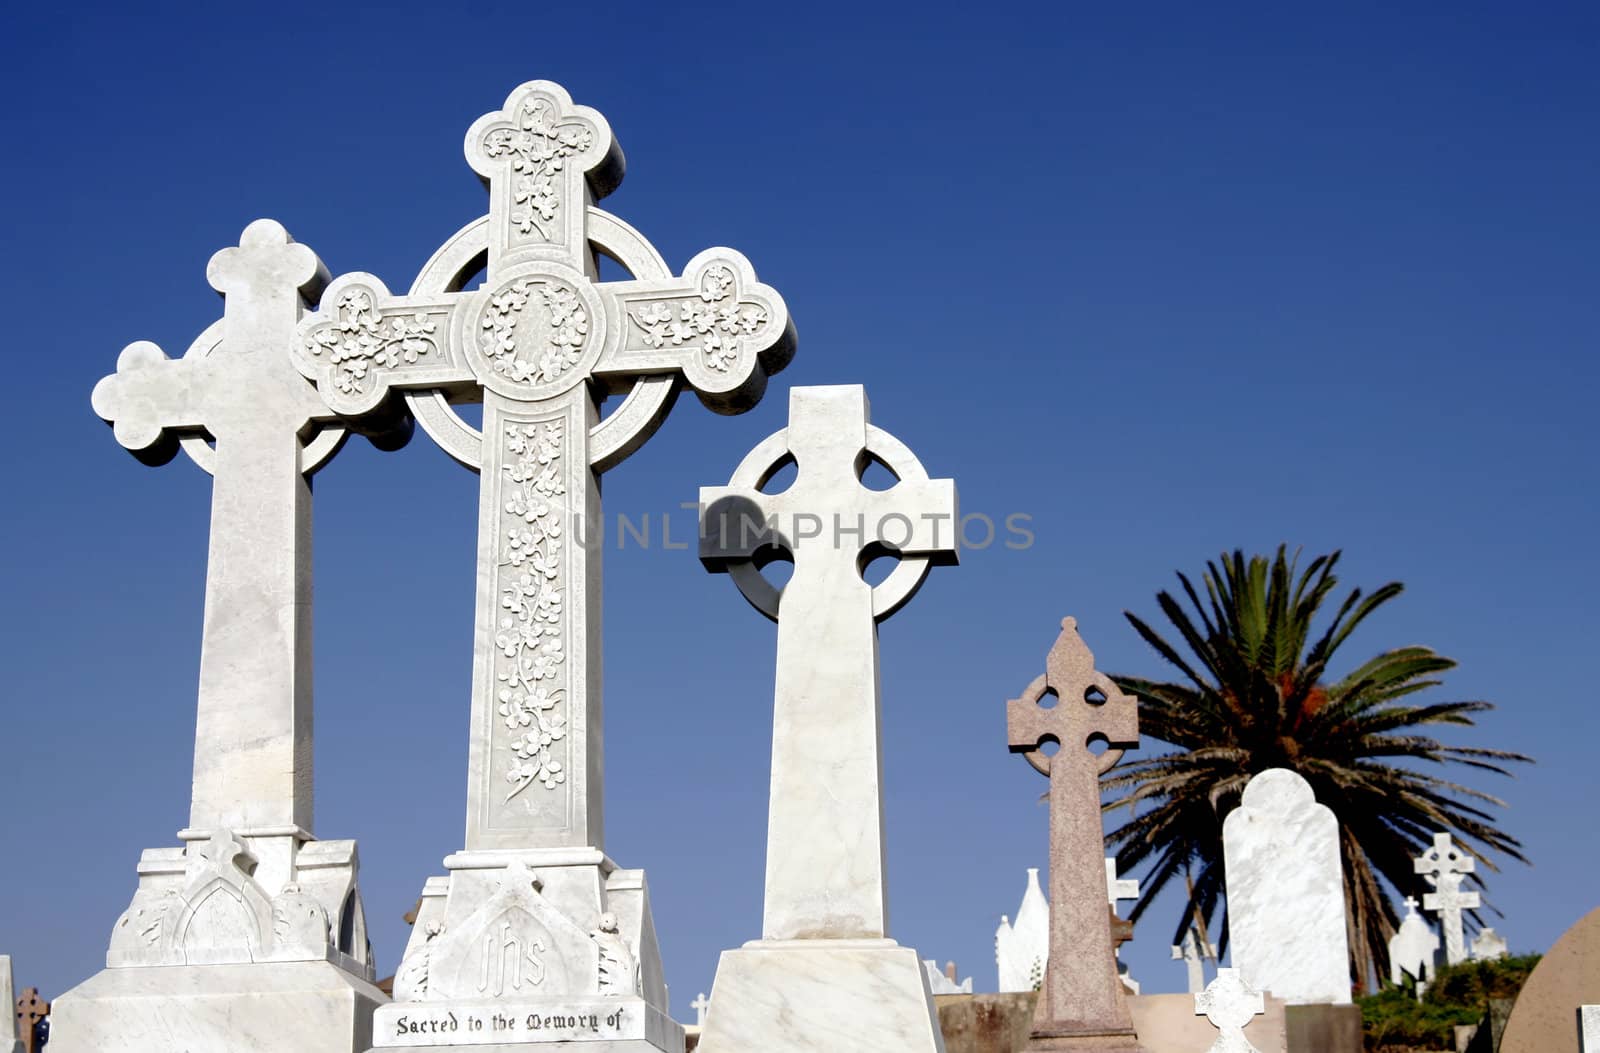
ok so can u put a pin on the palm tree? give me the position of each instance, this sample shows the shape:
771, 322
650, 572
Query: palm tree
1257, 693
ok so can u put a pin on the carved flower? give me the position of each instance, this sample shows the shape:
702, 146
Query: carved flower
721, 351
715, 284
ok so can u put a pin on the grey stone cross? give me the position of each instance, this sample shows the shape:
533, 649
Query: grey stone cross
825, 825
237, 386
1081, 996
1443, 866
1230, 1004
538, 343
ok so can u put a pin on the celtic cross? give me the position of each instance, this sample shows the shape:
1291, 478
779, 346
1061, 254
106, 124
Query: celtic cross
539, 343
825, 820
1072, 706
1230, 1004
237, 387
1443, 866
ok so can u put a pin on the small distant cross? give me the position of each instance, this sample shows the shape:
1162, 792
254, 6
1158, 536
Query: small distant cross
700, 1006
1230, 1004
1189, 953
1443, 865
31, 1011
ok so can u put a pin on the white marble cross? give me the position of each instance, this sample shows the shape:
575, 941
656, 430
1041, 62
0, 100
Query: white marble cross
825, 824
1443, 865
1189, 953
237, 386
1230, 1004
537, 344
700, 1005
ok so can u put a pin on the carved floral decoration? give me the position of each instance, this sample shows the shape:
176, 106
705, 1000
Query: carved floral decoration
567, 325
538, 147
716, 320
530, 656
357, 338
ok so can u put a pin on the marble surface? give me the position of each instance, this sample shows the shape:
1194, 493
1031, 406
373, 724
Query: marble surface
1589, 1029
811, 996
308, 1007
1230, 1004
1022, 947
1413, 949
1286, 892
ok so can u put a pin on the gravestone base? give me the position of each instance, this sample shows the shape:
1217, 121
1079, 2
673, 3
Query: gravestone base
309, 1007
595, 1025
811, 996
1085, 1040
1323, 1028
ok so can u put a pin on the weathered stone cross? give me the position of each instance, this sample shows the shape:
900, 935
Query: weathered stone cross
1443, 866
537, 343
825, 825
700, 1005
1081, 1000
1230, 1004
237, 386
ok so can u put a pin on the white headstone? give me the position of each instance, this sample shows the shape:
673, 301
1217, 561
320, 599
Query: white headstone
1230, 1004
1589, 1029
700, 1005
1488, 945
1413, 949
940, 984
1022, 947
1194, 966
252, 890
1285, 887
824, 955
1443, 865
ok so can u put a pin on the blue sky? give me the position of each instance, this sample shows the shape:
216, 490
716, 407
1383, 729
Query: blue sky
1168, 278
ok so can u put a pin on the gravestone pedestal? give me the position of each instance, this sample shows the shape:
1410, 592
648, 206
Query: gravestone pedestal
495, 961
309, 1007
845, 996
226, 938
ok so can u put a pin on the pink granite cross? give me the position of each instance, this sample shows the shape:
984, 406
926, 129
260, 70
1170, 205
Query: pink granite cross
1081, 1005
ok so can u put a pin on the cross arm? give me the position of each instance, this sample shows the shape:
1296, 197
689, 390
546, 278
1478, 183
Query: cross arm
151, 401
364, 341
717, 325
734, 525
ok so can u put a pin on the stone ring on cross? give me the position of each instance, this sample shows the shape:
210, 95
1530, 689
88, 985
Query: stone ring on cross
1033, 694
771, 456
